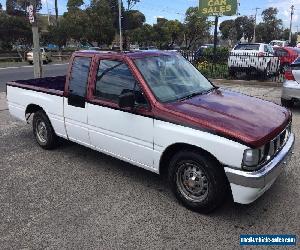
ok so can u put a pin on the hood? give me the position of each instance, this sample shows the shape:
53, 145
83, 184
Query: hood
246, 119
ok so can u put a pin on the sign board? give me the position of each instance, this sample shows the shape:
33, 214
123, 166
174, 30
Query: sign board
30, 12
218, 7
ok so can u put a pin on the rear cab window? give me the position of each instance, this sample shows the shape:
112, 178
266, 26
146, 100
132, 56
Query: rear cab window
79, 76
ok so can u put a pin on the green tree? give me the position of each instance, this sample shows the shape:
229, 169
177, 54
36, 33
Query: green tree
161, 33
14, 30
271, 26
244, 27
225, 28
18, 7
235, 30
132, 19
131, 3
100, 23
114, 9
144, 35
76, 21
58, 34
74, 4
175, 31
196, 28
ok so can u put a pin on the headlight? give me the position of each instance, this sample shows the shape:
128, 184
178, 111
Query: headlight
251, 158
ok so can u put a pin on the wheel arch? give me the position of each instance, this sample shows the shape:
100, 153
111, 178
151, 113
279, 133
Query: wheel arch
32, 108
171, 150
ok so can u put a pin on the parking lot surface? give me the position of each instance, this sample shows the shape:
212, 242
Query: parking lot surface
76, 198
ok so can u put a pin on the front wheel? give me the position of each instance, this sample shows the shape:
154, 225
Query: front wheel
198, 182
43, 131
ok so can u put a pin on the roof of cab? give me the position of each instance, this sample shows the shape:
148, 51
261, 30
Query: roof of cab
131, 54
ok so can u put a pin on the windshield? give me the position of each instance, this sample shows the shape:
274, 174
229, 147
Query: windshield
172, 78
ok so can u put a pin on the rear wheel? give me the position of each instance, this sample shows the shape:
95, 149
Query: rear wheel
198, 182
43, 131
287, 103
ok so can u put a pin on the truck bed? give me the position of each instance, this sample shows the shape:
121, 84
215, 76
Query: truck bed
52, 85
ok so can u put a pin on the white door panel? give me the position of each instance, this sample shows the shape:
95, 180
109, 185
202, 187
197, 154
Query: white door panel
76, 123
123, 134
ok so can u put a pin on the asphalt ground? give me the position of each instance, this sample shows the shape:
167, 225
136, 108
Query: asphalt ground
76, 198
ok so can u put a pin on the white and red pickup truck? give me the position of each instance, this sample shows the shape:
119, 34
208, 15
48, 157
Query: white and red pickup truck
155, 110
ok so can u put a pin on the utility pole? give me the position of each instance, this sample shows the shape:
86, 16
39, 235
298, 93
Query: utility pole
292, 13
255, 20
120, 24
37, 65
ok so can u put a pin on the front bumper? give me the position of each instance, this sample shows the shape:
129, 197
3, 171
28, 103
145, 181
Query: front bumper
248, 186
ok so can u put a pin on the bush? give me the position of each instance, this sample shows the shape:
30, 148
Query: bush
222, 54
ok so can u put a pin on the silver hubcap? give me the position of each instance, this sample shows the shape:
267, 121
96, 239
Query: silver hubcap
41, 131
192, 182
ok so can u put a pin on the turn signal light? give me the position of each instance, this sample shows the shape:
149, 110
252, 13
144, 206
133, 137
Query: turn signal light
289, 75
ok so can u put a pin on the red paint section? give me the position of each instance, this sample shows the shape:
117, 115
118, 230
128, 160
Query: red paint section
231, 114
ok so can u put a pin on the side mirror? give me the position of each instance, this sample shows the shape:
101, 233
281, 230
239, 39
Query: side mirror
126, 100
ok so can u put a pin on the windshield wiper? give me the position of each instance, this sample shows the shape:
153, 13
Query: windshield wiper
196, 94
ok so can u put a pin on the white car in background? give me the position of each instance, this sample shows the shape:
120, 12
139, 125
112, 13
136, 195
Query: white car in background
45, 56
291, 86
253, 57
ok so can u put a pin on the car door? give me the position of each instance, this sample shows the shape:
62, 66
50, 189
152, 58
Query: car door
126, 134
75, 105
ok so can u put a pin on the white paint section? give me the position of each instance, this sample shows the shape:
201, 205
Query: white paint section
18, 100
125, 135
76, 120
227, 152
246, 195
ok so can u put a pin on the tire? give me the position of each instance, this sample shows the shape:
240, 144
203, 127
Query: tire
43, 131
287, 103
31, 63
232, 72
206, 189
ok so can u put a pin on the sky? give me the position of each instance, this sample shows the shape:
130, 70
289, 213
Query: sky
175, 9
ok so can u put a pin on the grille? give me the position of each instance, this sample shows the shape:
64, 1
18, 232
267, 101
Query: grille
275, 145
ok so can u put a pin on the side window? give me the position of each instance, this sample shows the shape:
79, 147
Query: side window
79, 76
113, 79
